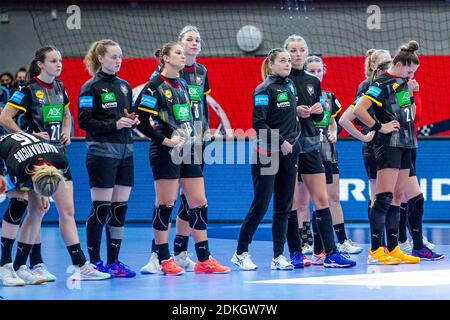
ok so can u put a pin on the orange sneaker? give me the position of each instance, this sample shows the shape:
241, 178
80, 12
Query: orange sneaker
210, 266
170, 268
397, 253
380, 256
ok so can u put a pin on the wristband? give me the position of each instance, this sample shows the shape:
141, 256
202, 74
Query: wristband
412, 99
376, 126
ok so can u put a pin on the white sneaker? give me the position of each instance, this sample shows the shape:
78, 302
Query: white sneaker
349, 248
406, 246
88, 272
428, 244
307, 249
9, 276
29, 277
318, 259
281, 263
152, 267
41, 270
243, 261
184, 261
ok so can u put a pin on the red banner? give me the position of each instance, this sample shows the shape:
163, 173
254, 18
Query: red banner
233, 80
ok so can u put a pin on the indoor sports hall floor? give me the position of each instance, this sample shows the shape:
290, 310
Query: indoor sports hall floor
426, 280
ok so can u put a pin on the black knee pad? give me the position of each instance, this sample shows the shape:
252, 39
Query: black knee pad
415, 205
198, 218
101, 210
161, 217
183, 213
118, 212
383, 201
15, 211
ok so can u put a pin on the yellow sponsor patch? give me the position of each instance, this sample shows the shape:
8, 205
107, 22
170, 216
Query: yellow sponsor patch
168, 94
39, 94
395, 86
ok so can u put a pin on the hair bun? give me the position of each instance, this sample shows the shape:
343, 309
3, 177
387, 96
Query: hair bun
157, 53
370, 52
411, 46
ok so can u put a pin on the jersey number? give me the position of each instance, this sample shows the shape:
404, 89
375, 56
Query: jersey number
56, 132
409, 115
25, 138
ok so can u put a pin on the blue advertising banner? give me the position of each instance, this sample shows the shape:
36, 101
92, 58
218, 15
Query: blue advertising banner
229, 186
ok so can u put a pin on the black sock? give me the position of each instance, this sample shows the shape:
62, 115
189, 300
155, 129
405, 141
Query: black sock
76, 254
402, 235
325, 227
23, 250
307, 236
378, 219
317, 244
241, 248
163, 251
368, 209
113, 248
202, 250
339, 229
180, 243
7, 246
101, 210
293, 234
392, 221
279, 232
415, 206
35, 255
153, 246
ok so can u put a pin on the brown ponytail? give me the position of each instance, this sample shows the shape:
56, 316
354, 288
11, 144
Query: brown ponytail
98, 48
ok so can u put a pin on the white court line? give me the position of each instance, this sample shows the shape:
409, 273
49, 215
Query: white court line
393, 279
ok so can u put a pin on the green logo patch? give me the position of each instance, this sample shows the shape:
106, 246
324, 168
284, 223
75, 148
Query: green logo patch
53, 113
325, 121
282, 97
195, 92
182, 112
403, 98
108, 97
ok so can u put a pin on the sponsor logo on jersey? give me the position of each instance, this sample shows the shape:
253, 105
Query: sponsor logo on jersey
53, 113
403, 98
261, 100
181, 112
373, 91
124, 89
17, 97
108, 97
395, 85
195, 92
168, 94
39, 94
282, 97
86, 102
148, 101
325, 122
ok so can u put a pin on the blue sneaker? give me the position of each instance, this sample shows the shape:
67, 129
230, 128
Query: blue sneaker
120, 270
297, 260
102, 267
426, 254
338, 260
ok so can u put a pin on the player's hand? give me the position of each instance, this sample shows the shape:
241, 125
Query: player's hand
175, 141
124, 122
316, 108
286, 148
2, 185
65, 138
133, 116
389, 127
331, 138
44, 204
42, 134
303, 111
369, 136
413, 85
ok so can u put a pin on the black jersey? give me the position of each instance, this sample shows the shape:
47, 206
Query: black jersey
102, 102
274, 107
43, 105
196, 78
308, 92
331, 108
163, 107
362, 88
20, 152
391, 100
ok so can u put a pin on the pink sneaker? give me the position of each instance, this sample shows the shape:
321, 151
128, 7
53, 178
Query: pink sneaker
318, 259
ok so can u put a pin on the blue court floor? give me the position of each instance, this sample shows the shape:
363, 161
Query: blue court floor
426, 280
